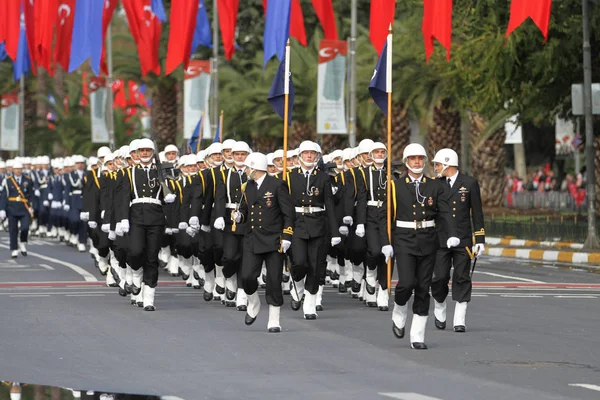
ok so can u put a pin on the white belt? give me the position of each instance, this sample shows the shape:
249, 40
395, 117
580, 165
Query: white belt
231, 205
415, 225
43, 186
309, 210
145, 200
76, 192
374, 203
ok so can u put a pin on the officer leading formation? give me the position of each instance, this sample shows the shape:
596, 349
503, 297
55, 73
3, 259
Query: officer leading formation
230, 221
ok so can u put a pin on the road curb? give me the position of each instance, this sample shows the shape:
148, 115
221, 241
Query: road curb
507, 241
591, 260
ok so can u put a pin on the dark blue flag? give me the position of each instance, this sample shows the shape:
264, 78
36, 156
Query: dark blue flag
2, 52
202, 33
87, 34
277, 29
218, 134
158, 9
193, 143
22, 62
377, 87
277, 95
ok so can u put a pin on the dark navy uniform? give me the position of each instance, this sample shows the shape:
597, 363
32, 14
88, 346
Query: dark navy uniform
15, 200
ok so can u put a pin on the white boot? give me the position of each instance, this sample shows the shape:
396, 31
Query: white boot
297, 291
286, 286
209, 285
185, 267
253, 308
439, 312
110, 280
230, 290
74, 240
343, 278
23, 248
241, 300
137, 280
189, 282
129, 275
417, 332
14, 253
362, 292
319, 299
383, 299
274, 326
310, 306
195, 283
123, 276
370, 299
103, 265
371, 279
399, 315
357, 277
164, 255
81, 247
460, 316
132, 298
139, 299
149, 298
219, 282
173, 266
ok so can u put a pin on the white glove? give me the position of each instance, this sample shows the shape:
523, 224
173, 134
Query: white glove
55, 204
46, 203
237, 216
168, 231
50, 196
175, 230
219, 224
119, 230
205, 228
334, 189
194, 222
478, 249
112, 235
285, 245
84, 216
66, 207
92, 224
105, 228
37, 193
335, 241
183, 226
191, 231
344, 230
125, 226
348, 220
102, 214
2, 214
453, 242
388, 252
170, 198
360, 230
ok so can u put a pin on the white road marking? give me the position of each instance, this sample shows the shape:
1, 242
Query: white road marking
86, 295
49, 268
521, 296
86, 275
576, 296
408, 396
508, 277
586, 386
479, 295
30, 295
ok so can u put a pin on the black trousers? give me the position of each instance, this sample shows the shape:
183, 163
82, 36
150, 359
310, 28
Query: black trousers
251, 266
306, 263
217, 247
103, 243
13, 229
205, 251
232, 254
461, 279
355, 249
144, 245
79, 228
414, 273
120, 250
184, 244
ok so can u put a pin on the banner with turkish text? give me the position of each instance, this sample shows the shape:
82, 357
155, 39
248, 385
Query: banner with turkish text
331, 110
196, 94
98, 96
9, 122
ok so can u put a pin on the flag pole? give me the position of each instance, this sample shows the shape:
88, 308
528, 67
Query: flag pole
286, 92
22, 115
221, 127
200, 132
388, 88
110, 119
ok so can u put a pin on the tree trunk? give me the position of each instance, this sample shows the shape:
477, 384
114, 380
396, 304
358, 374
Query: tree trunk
300, 132
164, 112
444, 131
596, 172
42, 92
487, 161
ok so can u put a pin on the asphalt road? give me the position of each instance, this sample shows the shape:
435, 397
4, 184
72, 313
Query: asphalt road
532, 334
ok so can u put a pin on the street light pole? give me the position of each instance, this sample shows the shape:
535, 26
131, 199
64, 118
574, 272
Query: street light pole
352, 111
22, 116
109, 98
214, 69
592, 239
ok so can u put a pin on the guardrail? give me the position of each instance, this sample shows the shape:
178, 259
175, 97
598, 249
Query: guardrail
541, 228
557, 201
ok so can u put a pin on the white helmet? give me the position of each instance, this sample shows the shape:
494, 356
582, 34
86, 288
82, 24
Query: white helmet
335, 154
69, 161
200, 156
103, 151
161, 156
124, 152
326, 158
292, 153
307, 145
190, 159
256, 161
26, 160
171, 147
110, 157
228, 144
414, 149
214, 148
10, 163
365, 146
78, 159
446, 157
134, 145
270, 159
241, 146
146, 144
318, 147
44, 160
278, 154
347, 154
378, 146
92, 161
17, 164
2, 164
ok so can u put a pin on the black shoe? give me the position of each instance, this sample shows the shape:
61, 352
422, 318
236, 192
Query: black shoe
242, 308
230, 303
275, 329
133, 302
287, 292
173, 275
286, 278
418, 346
384, 308
319, 307
370, 289
355, 286
348, 284
196, 276
140, 304
188, 285
398, 332
197, 287
208, 296
328, 272
122, 292
201, 282
115, 275
162, 264
113, 285
342, 288
149, 308
185, 277
127, 288
135, 290
371, 304
439, 324
335, 276
229, 295
310, 316
264, 278
460, 328
103, 273
295, 305
248, 320
220, 290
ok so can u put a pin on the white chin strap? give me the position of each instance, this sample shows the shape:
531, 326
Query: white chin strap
340, 166
146, 160
441, 174
239, 164
308, 165
379, 160
217, 164
280, 169
415, 170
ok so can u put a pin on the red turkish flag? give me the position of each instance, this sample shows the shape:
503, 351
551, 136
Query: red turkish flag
109, 10
228, 12
118, 88
537, 10
326, 15
145, 29
10, 13
183, 24
30, 24
64, 33
45, 16
437, 23
382, 15
297, 29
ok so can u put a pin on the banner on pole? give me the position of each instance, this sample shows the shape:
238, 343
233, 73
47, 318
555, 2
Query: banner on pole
514, 132
567, 139
331, 109
196, 94
9, 122
98, 97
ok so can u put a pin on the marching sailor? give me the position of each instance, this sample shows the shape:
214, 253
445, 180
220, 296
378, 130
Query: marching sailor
16, 193
74, 203
464, 198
